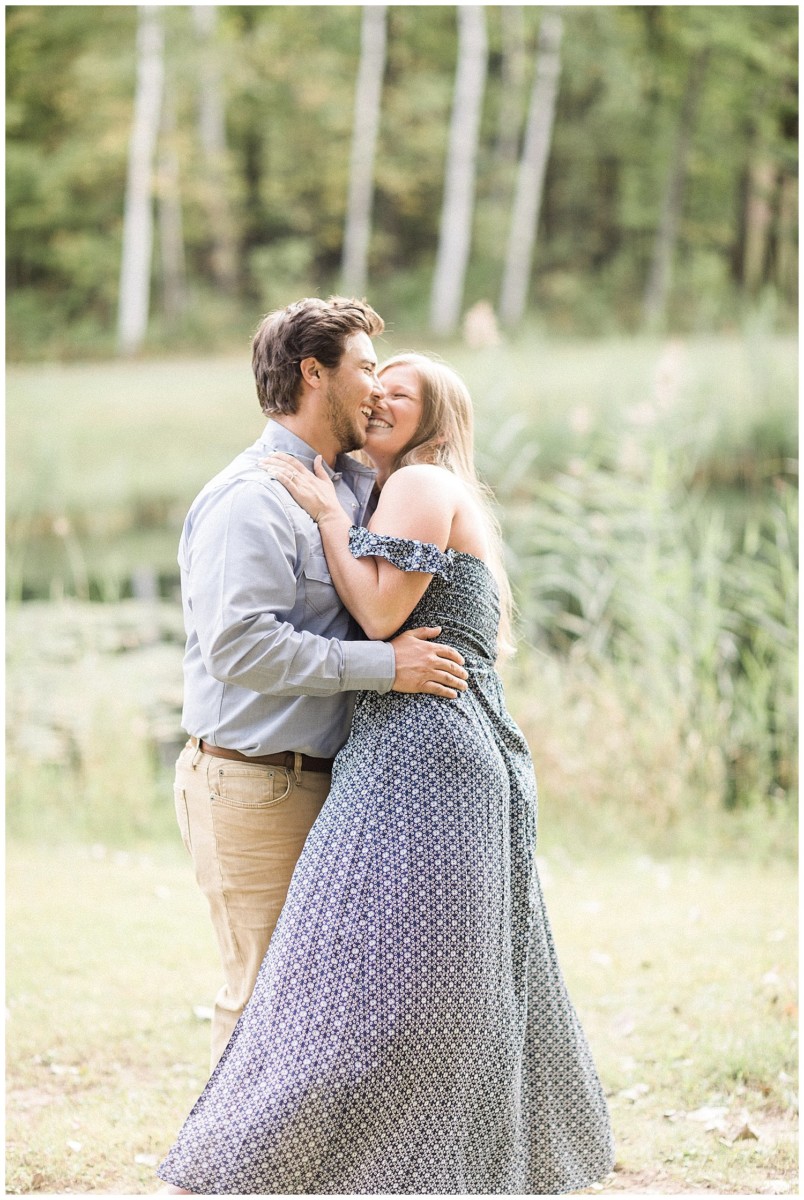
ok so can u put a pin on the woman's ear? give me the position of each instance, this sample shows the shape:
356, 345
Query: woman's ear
311, 371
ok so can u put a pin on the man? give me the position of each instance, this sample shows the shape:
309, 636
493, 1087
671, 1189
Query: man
270, 668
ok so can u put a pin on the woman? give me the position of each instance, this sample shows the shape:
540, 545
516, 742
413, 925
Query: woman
410, 1031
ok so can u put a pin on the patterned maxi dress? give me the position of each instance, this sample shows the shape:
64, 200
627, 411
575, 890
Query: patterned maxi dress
410, 1030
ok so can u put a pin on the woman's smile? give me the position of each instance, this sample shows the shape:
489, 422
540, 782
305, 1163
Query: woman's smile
397, 415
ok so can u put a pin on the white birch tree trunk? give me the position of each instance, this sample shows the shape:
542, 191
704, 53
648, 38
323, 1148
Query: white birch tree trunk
135, 269
368, 97
532, 167
212, 135
455, 232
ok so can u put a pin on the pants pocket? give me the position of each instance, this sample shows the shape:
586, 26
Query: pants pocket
240, 785
182, 816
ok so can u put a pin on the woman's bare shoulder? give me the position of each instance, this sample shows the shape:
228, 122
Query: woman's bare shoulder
423, 475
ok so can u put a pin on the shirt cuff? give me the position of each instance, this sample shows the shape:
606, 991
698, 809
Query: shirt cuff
368, 666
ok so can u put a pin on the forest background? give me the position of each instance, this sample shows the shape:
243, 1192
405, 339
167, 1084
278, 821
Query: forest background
592, 212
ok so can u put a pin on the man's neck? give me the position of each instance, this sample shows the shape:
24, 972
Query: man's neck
310, 431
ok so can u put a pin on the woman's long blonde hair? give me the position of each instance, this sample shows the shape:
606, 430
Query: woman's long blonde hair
445, 437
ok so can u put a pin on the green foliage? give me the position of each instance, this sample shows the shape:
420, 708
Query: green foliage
288, 75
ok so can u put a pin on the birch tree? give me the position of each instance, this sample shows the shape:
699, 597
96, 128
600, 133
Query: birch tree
135, 269
368, 96
455, 232
212, 135
532, 167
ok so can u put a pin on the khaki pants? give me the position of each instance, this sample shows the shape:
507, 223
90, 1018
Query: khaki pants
244, 826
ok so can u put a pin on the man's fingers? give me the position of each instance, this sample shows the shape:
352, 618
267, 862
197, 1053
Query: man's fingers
438, 689
428, 632
448, 652
450, 681
452, 668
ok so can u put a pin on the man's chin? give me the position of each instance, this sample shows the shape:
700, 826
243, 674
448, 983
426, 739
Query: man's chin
356, 441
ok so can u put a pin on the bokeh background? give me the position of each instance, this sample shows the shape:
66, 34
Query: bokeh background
592, 213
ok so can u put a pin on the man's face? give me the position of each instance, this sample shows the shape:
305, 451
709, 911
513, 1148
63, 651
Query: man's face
352, 391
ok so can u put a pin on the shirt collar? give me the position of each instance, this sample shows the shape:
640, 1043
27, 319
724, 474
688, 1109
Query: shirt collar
277, 437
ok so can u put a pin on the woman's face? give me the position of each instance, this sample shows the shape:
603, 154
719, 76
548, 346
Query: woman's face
396, 416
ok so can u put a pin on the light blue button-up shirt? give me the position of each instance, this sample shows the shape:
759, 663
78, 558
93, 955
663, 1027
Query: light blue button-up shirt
270, 663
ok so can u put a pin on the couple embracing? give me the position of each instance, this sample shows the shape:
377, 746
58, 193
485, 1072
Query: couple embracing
361, 808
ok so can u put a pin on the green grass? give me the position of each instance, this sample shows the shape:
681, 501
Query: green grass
683, 973
102, 438
108, 953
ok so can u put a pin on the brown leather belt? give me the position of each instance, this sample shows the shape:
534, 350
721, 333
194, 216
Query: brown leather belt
285, 758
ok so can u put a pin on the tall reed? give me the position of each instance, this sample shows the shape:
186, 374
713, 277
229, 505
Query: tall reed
632, 571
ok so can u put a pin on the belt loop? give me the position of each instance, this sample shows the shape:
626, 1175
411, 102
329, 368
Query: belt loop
198, 752
297, 766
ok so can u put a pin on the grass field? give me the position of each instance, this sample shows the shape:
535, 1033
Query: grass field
683, 973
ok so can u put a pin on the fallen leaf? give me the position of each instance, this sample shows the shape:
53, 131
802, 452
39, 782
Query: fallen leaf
600, 958
76, 1146
746, 1134
147, 1160
202, 1013
708, 1115
634, 1093
623, 1025
59, 1069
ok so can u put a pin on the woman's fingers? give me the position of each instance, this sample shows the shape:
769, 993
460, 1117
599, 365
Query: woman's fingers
278, 458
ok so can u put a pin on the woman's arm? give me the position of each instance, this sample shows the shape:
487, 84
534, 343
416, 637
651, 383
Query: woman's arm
416, 502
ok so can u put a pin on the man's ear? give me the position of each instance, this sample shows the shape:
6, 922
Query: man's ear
311, 371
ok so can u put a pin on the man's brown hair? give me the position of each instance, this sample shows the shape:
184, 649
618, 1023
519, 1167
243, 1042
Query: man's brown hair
310, 328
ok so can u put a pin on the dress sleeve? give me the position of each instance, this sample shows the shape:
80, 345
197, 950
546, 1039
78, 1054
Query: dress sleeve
405, 553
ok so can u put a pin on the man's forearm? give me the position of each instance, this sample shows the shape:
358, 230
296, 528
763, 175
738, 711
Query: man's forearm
272, 657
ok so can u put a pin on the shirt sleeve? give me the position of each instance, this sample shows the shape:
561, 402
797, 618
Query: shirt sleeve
242, 590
